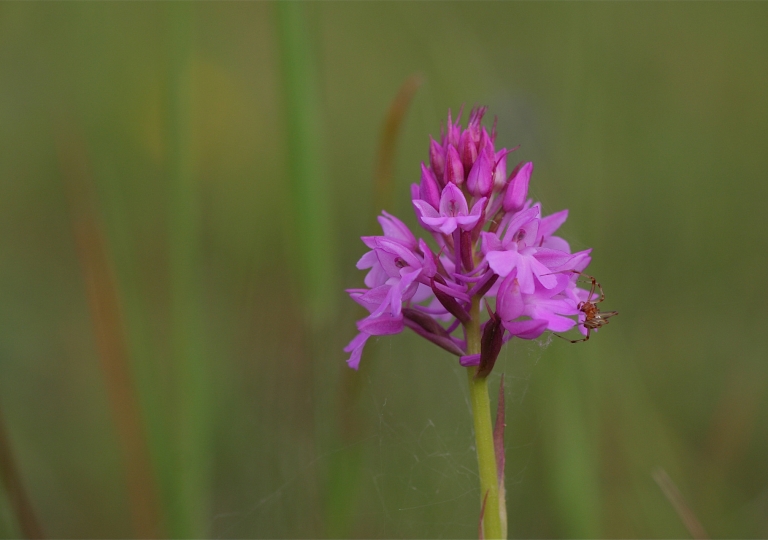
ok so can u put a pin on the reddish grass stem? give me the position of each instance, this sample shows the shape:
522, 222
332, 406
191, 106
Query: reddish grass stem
22, 506
104, 303
383, 184
677, 501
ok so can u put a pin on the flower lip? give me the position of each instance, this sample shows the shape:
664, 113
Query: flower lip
452, 202
525, 224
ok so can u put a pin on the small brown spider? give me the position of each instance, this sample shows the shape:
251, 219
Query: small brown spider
593, 317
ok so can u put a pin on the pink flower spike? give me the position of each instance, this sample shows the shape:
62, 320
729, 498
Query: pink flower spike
489, 243
517, 189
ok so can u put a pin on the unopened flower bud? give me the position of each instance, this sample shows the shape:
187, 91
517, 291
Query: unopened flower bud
480, 179
490, 346
429, 328
454, 170
500, 169
453, 132
429, 190
475, 117
517, 189
467, 150
486, 145
436, 159
415, 192
448, 301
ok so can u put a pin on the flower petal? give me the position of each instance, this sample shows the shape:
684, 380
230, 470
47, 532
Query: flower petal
542, 273
467, 223
424, 209
356, 348
502, 262
555, 242
528, 329
370, 299
394, 228
381, 326
509, 302
519, 221
490, 242
452, 202
470, 360
552, 222
553, 258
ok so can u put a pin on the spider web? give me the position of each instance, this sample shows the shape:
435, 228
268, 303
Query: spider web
418, 475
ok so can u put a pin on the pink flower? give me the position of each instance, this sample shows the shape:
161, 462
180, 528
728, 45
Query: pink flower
453, 212
528, 315
515, 251
382, 325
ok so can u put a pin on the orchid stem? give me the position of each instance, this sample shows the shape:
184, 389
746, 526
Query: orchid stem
481, 412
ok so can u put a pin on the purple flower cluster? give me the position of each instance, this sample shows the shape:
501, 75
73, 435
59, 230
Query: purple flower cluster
493, 246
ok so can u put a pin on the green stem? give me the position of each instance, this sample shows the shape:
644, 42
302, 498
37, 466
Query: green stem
310, 199
187, 460
481, 412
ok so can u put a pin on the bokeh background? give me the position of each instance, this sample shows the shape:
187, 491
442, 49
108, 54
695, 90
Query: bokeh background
182, 192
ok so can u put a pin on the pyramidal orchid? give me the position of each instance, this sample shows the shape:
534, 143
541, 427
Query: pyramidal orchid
490, 246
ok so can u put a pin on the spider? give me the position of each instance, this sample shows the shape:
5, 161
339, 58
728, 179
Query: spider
593, 317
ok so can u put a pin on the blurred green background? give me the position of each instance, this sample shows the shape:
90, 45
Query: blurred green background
171, 323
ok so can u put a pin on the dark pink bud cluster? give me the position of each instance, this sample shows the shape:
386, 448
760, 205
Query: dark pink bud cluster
491, 245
